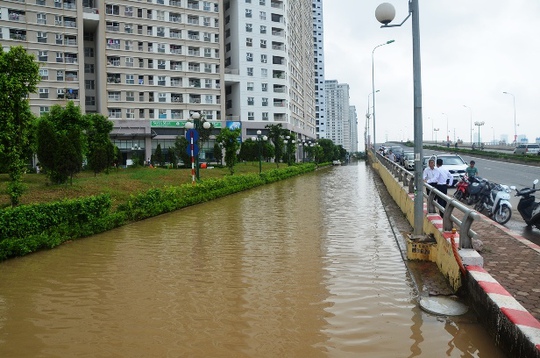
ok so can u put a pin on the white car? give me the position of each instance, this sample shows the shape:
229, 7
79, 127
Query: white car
408, 160
454, 164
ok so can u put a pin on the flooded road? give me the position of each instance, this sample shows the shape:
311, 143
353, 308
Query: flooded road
307, 267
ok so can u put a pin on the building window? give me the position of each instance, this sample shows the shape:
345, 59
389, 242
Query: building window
264, 87
250, 71
43, 110
249, 42
130, 80
263, 29
90, 100
250, 86
249, 13
207, 83
249, 27
264, 72
89, 84
130, 113
264, 116
88, 68
42, 37
88, 52
114, 96
263, 43
251, 101
262, 15
251, 116
249, 57
208, 99
130, 96
129, 61
265, 101
264, 58
43, 93
44, 73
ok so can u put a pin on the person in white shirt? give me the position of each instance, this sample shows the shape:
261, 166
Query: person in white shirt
445, 179
391, 156
431, 174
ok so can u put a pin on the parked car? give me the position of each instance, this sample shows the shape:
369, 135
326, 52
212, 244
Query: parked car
408, 160
398, 152
529, 149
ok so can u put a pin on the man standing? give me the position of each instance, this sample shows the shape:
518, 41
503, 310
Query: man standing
445, 179
391, 156
431, 174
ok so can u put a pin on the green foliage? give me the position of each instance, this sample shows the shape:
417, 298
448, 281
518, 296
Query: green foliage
172, 157
229, 140
29, 228
180, 146
19, 76
158, 156
61, 142
275, 132
218, 153
249, 151
100, 148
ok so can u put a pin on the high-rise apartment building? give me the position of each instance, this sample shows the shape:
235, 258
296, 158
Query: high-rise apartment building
147, 65
318, 38
269, 65
341, 119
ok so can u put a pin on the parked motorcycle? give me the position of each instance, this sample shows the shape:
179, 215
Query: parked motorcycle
474, 189
494, 200
527, 206
462, 188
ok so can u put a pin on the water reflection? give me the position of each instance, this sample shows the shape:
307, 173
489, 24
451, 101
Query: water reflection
303, 268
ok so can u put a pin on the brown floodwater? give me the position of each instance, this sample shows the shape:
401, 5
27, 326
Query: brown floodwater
307, 267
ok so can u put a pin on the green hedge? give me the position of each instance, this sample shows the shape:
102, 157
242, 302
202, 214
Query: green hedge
29, 228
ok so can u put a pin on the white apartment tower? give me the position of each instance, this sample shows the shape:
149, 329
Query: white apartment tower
269, 65
147, 65
338, 118
318, 38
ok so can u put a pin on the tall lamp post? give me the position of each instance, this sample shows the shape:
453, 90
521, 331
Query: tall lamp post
479, 124
373, 84
193, 136
471, 129
385, 13
447, 132
368, 116
260, 139
515, 123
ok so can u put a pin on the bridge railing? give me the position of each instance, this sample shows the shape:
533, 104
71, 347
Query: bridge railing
466, 234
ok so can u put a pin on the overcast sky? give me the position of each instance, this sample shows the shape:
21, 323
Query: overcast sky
471, 52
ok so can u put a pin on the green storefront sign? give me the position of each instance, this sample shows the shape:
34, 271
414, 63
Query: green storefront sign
177, 124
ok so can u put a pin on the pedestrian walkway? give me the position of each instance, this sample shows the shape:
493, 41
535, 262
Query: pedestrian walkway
513, 261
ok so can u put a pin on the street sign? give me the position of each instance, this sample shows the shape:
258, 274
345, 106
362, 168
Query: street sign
191, 132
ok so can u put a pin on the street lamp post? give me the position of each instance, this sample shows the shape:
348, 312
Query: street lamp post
471, 129
260, 139
368, 116
447, 132
515, 123
435, 130
479, 124
373, 84
385, 13
193, 149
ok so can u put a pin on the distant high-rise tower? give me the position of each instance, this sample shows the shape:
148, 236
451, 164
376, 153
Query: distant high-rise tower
269, 66
341, 123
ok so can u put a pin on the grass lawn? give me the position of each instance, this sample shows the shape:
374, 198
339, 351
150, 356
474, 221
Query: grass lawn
120, 184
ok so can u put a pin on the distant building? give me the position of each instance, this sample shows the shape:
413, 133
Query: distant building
341, 119
320, 94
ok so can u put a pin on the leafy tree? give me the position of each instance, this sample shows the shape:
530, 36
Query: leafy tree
180, 146
218, 153
249, 150
158, 156
19, 76
229, 140
290, 147
172, 157
61, 142
275, 132
100, 154
330, 151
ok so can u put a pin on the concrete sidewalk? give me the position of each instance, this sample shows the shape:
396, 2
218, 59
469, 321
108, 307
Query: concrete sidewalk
513, 261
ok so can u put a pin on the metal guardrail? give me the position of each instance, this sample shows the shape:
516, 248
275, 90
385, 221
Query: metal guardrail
466, 234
